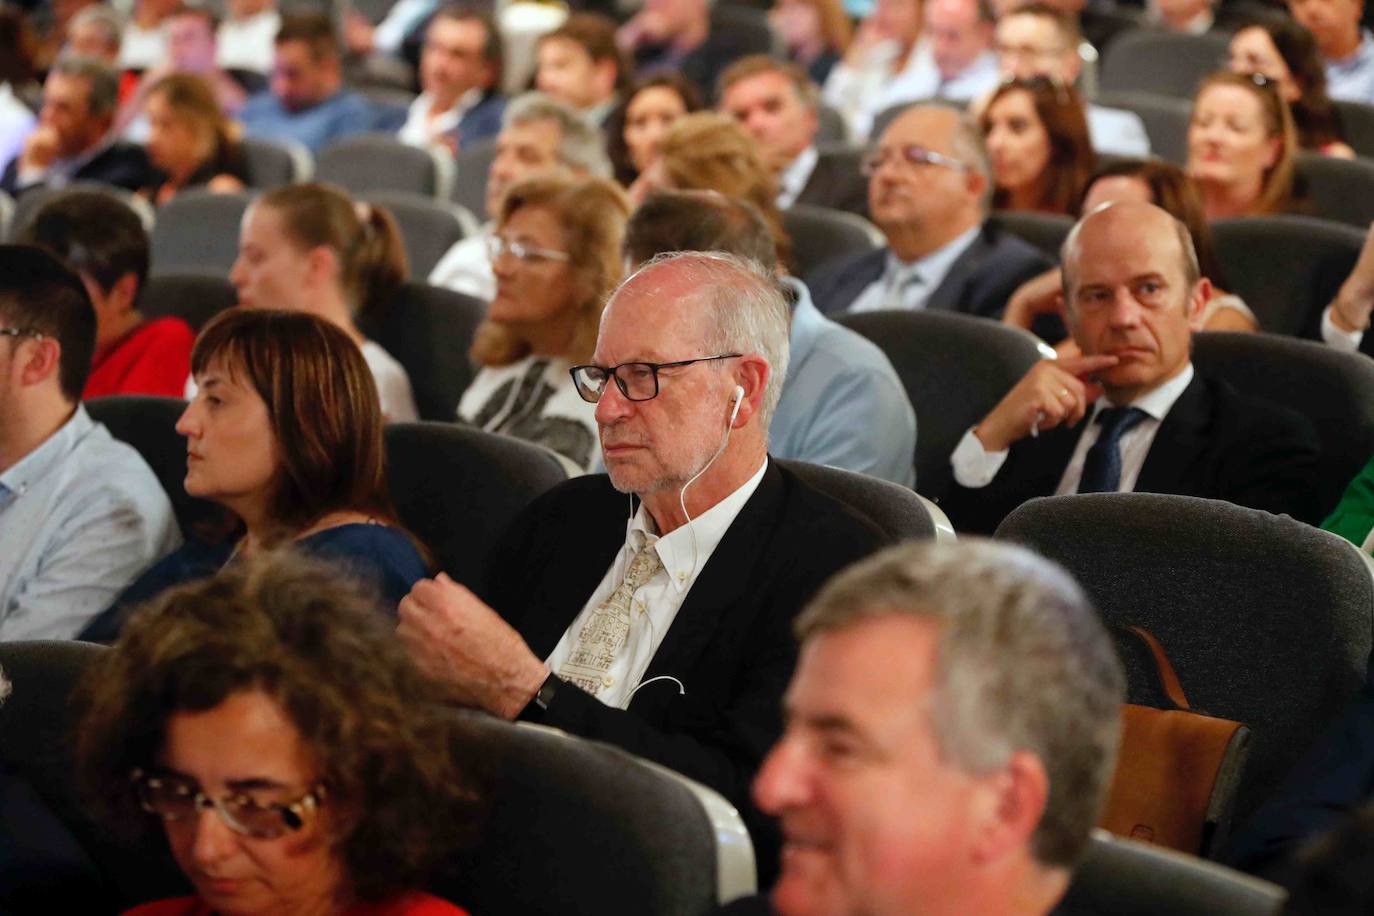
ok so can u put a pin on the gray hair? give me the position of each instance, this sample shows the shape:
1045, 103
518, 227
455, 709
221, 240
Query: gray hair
1023, 664
104, 80
105, 20
581, 146
967, 144
971, 149
1069, 252
744, 309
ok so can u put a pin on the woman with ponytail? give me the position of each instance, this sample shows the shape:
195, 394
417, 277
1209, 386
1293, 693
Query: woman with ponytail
190, 141
310, 248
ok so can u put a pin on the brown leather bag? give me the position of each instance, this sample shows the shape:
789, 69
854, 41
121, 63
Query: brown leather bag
1177, 770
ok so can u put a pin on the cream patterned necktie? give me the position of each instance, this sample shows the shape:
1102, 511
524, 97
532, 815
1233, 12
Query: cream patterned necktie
604, 635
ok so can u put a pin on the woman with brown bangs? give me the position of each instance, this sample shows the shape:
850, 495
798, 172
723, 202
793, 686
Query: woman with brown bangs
285, 433
556, 258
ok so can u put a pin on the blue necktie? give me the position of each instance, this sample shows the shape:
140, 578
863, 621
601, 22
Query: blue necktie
1102, 469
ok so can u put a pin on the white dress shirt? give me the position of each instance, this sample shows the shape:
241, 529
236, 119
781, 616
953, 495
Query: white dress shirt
1338, 339
684, 552
921, 80
422, 130
975, 467
466, 267
81, 516
393, 384
931, 270
248, 43
794, 178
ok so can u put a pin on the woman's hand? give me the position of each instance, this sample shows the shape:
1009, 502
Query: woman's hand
1040, 295
1352, 305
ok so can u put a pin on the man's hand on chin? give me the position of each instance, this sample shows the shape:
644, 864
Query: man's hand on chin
457, 639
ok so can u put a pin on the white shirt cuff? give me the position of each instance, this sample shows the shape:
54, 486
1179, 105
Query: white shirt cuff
975, 466
1346, 341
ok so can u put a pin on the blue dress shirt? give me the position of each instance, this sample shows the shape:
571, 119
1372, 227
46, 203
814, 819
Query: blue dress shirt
80, 517
1352, 79
344, 114
842, 403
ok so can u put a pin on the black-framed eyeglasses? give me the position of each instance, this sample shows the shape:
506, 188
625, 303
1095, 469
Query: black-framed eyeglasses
912, 155
637, 381
22, 332
174, 798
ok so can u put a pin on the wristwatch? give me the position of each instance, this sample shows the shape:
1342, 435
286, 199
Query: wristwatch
544, 697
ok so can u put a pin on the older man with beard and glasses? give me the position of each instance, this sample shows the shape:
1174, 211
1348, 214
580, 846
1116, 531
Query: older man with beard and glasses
651, 609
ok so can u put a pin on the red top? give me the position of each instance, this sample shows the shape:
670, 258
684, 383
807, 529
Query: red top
153, 358
413, 904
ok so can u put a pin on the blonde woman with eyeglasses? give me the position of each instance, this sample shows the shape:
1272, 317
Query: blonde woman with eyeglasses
556, 258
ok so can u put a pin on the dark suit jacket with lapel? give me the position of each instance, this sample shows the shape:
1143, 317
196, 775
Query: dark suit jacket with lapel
482, 121
123, 165
979, 283
731, 644
836, 182
1214, 443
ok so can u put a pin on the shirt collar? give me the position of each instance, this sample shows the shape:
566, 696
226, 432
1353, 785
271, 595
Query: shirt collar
1362, 52
795, 176
676, 549
807, 322
1158, 401
34, 466
935, 265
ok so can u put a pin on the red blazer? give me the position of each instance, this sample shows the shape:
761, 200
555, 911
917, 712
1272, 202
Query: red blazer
153, 358
412, 904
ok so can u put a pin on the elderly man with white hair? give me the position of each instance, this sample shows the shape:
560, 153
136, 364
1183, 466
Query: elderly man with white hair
651, 607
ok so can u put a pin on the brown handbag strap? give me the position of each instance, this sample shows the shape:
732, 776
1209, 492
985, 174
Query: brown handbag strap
1168, 679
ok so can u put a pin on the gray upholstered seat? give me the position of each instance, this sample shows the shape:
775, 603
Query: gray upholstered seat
1286, 268
380, 162
1165, 117
820, 234
955, 368
1340, 190
1167, 63
899, 512
459, 488
1124, 878
193, 297
429, 329
198, 232
1266, 620
581, 828
1300, 374
429, 226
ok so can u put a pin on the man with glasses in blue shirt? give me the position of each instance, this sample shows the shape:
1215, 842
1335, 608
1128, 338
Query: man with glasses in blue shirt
659, 622
81, 515
928, 190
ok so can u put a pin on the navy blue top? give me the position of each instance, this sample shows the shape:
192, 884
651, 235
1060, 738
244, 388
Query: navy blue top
380, 555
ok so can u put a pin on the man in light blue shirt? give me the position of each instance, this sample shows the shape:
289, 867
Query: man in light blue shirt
81, 515
842, 403
1346, 49
306, 101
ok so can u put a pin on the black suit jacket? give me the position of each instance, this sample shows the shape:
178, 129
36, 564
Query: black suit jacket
121, 164
979, 283
1214, 443
837, 183
731, 644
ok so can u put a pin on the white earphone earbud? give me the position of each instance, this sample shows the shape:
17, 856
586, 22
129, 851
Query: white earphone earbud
739, 399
